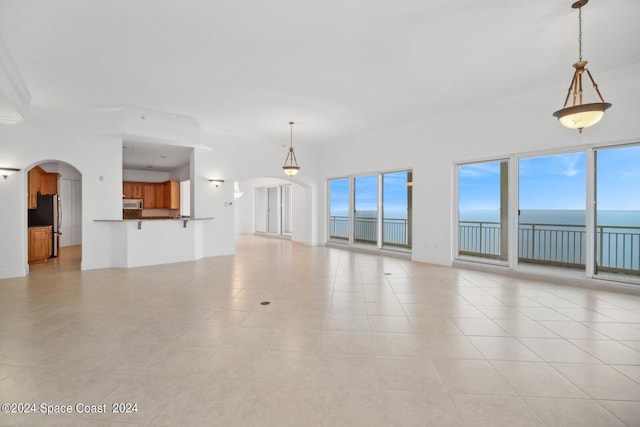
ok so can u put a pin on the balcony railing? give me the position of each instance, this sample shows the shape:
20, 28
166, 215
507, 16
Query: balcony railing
339, 227
479, 239
395, 231
617, 247
554, 244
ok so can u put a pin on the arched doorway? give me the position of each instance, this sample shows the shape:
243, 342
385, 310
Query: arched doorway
54, 217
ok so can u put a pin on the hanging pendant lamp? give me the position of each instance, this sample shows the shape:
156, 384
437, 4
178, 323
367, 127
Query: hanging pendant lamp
291, 163
579, 115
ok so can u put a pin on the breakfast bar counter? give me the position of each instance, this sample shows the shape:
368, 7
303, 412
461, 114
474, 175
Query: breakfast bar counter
152, 241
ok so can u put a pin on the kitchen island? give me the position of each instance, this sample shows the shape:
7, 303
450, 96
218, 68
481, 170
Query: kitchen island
152, 241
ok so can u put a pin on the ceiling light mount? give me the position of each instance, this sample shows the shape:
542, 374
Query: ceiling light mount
579, 4
291, 163
216, 182
580, 115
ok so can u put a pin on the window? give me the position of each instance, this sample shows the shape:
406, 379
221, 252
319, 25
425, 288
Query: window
483, 210
617, 231
371, 210
261, 210
396, 209
274, 210
365, 222
339, 209
287, 210
556, 225
552, 200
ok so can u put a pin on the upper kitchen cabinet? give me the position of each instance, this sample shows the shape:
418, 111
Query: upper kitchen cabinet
149, 195
49, 183
34, 186
154, 195
131, 190
41, 182
172, 194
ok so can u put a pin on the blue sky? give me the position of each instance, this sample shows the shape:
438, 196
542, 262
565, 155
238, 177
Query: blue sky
558, 182
553, 182
618, 178
395, 194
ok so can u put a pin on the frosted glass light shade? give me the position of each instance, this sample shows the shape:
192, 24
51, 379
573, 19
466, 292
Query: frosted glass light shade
581, 116
291, 170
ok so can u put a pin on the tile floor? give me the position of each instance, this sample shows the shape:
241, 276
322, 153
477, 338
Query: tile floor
348, 339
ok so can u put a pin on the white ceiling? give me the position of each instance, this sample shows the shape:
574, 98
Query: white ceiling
338, 68
156, 157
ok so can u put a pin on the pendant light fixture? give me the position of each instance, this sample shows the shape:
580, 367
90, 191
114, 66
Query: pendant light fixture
579, 115
290, 163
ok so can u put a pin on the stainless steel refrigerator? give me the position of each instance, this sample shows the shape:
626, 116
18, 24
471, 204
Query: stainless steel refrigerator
48, 212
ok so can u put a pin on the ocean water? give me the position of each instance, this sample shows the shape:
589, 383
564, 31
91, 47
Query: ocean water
390, 213
545, 216
558, 237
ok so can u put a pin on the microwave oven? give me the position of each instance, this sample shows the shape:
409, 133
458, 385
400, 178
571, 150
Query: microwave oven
131, 203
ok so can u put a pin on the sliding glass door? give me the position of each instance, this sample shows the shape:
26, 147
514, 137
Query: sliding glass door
483, 210
575, 210
552, 200
396, 209
339, 209
365, 214
372, 210
287, 209
274, 210
617, 224
261, 210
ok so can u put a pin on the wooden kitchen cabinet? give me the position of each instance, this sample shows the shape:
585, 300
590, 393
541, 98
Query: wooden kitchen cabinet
40, 181
160, 196
131, 190
149, 195
40, 243
154, 195
34, 178
172, 194
49, 183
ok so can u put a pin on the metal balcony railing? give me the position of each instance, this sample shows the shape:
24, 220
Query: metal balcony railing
479, 238
395, 231
339, 227
617, 247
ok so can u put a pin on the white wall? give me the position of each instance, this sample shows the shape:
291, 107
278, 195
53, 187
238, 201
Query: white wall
144, 176
209, 201
182, 173
66, 171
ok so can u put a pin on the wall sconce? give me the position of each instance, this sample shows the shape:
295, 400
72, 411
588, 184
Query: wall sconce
217, 182
5, 172
236, 190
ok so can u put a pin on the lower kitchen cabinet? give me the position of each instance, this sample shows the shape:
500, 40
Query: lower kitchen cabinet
40, 243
